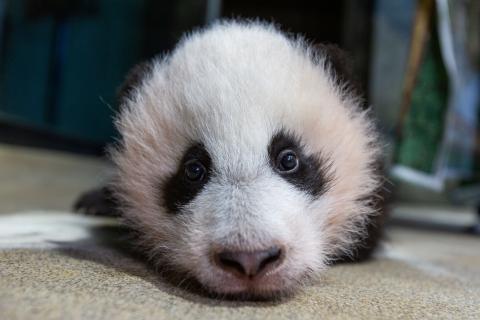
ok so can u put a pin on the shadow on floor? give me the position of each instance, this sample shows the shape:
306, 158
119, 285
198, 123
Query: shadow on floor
112, 246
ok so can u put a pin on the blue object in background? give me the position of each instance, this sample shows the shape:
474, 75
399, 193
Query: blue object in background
63, 60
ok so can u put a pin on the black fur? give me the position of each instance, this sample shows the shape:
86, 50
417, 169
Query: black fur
311, 175
342, 67
98, 202
375, 226
133, 79
179, 191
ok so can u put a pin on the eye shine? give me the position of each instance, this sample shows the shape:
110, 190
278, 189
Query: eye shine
194, 170
246, 163
192, 175
287, 161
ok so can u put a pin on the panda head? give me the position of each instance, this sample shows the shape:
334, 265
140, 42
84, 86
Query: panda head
243, 161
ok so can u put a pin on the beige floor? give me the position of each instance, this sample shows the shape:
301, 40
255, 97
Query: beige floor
32, 179
57, 265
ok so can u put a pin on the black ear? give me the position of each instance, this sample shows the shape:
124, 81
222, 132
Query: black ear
133, 79
342, 66
98, 202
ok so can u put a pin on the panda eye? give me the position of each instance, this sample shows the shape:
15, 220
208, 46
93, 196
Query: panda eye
287, 161
194, 170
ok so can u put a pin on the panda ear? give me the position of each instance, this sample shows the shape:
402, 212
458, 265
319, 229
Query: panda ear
341, 65
133, 80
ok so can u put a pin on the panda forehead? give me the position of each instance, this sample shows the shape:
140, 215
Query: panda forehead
241, 148
250, 74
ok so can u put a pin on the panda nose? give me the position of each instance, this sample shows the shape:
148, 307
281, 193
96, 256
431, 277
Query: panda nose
249, 263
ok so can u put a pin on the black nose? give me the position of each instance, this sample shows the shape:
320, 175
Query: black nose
249, 263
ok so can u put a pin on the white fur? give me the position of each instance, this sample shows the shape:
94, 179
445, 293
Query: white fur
43, 230
232, 87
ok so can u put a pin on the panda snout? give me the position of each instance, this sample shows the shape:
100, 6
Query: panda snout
250, 264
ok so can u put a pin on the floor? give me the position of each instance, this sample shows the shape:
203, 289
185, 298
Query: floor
58, 265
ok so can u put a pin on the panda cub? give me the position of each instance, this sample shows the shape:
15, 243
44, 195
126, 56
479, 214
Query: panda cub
246, 161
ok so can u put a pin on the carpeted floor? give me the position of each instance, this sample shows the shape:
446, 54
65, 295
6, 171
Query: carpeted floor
58, 265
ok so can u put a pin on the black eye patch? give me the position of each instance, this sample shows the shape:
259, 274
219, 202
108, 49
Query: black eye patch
310, 176
180, 188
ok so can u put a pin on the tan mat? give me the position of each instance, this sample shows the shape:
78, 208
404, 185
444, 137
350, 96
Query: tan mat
63, 266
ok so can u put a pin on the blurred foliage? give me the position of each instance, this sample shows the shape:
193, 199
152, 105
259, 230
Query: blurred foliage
423, 127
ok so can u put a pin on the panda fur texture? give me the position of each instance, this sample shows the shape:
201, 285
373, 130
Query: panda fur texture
246, 161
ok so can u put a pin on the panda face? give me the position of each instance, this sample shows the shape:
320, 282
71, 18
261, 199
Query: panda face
246, 216
243, 163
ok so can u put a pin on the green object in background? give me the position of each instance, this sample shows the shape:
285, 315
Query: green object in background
423, 127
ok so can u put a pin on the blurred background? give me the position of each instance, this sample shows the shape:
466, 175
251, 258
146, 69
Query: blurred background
418, 60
